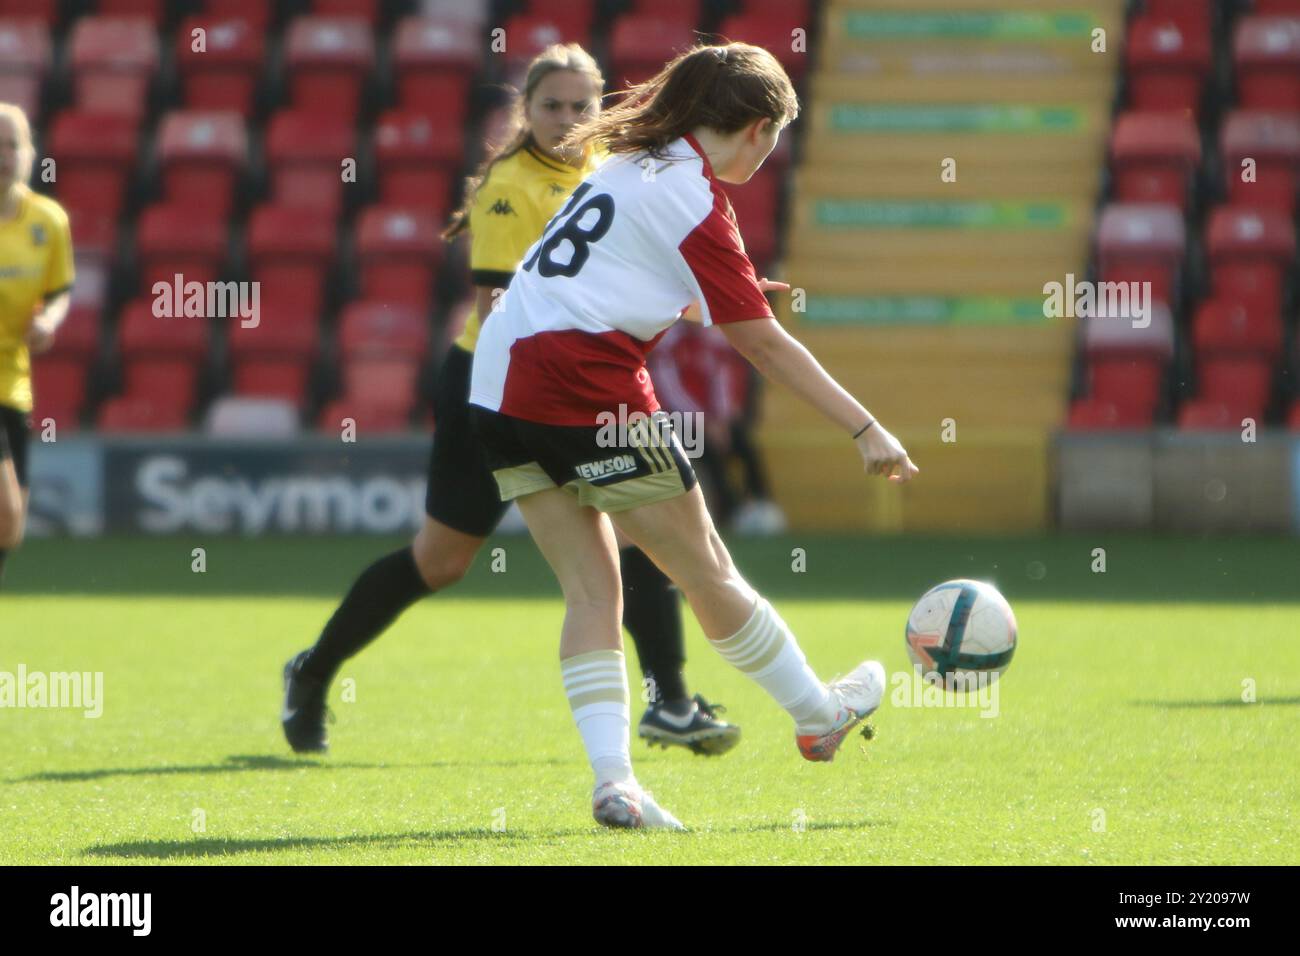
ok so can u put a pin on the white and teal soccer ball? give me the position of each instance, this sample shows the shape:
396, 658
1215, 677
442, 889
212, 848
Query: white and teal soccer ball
961, 632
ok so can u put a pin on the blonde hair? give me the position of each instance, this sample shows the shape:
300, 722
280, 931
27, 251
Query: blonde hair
557, 57
723, 87
26, 148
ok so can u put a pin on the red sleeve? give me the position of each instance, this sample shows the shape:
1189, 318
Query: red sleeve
715, 254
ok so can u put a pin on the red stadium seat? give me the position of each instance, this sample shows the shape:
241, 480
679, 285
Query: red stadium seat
376, 418
175, 239
290, 252
280, 334
1168, 61
1266, 53
1197, 10
1155, 157
274, 358
131, 413
1142, 243
24, 63
24, 91
78, 336
640, 45
1242, 381
685, 12
58, 391
1090, 414
1277, 7
1199, 414
398, 251
575, 16
305, 153
1129, 383
1261, 153
46, 11
141, 334
273, 377
223, 73
94, 154
257, 12
1293, 417
382, 349
796, 12
1118, 337
94, 236
151, 10
202, 156
527, 36
1226, 327
367, 10
328, 60
434, 61
114, 60
774, 34
1249, 251
416, 159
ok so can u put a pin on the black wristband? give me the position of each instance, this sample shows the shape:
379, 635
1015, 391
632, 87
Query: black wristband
864, 428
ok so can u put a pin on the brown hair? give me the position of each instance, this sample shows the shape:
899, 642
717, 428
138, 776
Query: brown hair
723, 87
557, 57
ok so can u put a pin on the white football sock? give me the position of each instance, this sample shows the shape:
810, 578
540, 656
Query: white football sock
766, 651
596, 685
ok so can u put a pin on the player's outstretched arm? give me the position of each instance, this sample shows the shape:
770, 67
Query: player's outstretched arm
782, 359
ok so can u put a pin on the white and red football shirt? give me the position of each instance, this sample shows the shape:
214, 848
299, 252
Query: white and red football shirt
638, 241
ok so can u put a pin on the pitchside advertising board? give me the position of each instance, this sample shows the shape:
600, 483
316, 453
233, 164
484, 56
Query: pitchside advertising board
84, 486
306, 486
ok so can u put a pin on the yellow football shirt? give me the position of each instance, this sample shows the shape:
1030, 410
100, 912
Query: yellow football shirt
35, 265
510, 210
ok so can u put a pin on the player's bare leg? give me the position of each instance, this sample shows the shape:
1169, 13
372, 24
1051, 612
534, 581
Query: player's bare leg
578, 543
652, 615
13, 510
679, 535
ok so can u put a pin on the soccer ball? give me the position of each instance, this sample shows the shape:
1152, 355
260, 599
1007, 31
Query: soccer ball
961, 633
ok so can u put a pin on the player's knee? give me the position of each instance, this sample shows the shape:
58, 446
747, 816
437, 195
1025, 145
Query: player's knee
441, 570
440, 567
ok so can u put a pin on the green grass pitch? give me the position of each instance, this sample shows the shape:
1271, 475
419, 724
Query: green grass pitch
1125, 732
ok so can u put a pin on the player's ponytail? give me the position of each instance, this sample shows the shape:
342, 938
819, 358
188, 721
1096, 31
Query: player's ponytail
722, 87
26, 149
558, 56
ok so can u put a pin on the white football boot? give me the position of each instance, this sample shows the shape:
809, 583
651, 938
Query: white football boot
857, 695
623, 804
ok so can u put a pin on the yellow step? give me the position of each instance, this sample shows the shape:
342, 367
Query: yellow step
986, 481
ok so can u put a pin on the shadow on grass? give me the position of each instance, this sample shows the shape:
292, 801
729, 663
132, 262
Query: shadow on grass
1226, 702
245, 762
206, 848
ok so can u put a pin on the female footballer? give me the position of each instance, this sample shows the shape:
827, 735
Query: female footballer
518, 189
35, 290
645, 235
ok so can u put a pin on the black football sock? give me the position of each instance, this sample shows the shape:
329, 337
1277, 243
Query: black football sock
382, 592
3, 555
652, 614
